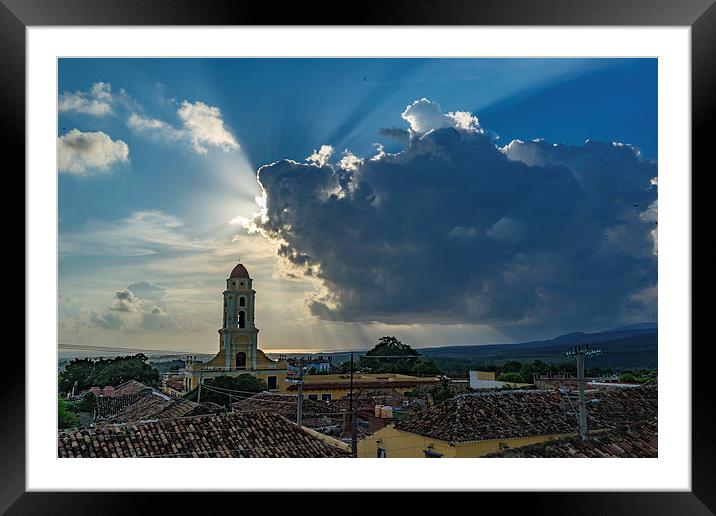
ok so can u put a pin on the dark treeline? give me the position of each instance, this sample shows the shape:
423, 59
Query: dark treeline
101, 372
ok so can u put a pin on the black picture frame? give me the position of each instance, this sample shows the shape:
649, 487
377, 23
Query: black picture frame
700, 15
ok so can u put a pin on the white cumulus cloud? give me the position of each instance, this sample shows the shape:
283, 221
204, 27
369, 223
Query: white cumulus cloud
425, 115
95, 102
201, 127
321, 156
153, 126
81, 153
205, 127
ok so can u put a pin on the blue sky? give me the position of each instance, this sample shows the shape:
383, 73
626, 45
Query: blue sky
158, 186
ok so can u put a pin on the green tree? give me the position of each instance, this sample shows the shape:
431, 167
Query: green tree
228, 389
527, 371
441, 391
121, 369
80, 370
512, 367
345, 367
510, 377
628, 378
393, 350
87, 372
427, 367
87, 404
65, 417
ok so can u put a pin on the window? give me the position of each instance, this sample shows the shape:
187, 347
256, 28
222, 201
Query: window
240, 360
432, 455
381, 453
242, 319
242, 301
313, 397
272, 382
326, 397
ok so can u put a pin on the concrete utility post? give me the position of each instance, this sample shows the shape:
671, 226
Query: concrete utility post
201, 378
581, 353
299, 407
582, 401
354, 425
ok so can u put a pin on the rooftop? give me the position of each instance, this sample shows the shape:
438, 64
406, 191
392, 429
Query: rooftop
240, 272
522, 413
362, 381
256, 435
131, 387
155, 405
636, 440
369, 398
283, 405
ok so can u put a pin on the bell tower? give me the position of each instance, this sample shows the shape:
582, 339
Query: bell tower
238, 336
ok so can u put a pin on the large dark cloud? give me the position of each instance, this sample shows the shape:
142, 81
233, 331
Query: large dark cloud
456, 230
397, 134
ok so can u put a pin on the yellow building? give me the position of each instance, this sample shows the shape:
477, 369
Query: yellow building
473, 425
485, 375
488, 380
238, 341
333, 386
416, 445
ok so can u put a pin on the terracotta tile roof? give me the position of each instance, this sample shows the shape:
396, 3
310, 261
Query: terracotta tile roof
212, 407
108, 390
239, 272
108, 406
283, 405
522, 413
631, 441
219, 435
156, 405
183, 408
369, 398
615, 408
131, 387
363, 381
175, 383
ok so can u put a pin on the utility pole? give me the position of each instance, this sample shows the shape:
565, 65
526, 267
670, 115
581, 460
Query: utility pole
582, 401
299, 407
201, 378
354, 426
581, 353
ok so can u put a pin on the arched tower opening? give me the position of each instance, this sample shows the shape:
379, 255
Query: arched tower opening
241, 360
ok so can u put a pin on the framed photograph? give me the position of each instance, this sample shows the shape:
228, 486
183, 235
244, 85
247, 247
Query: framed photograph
257, 244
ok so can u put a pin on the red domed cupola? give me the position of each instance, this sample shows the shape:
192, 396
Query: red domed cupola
240, 272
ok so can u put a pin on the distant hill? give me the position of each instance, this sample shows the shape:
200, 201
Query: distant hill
639, 326
627, 347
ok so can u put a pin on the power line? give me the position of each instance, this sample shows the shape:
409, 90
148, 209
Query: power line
361, 354
209, 386
89, 347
